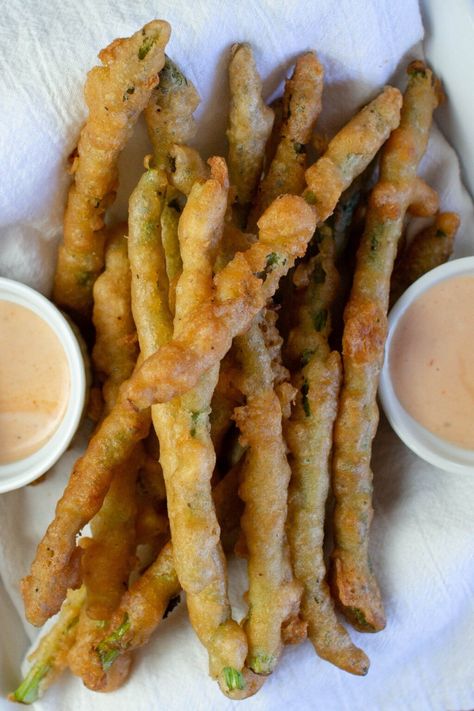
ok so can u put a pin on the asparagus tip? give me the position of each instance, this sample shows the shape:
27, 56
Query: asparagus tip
109, 649
29, 689
233, 678
262, 663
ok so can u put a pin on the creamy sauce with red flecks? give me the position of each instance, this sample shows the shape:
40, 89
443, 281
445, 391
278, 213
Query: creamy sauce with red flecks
432, 360
34, 382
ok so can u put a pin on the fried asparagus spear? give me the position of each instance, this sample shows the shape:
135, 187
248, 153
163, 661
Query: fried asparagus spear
185, 168
56, 566
350, 151
170, 122
182, 426
301, 108
115, 350
250, 125
109, 555
365, 318
317, 377
169, 113
428, 249
50, 656
244, 285
116, 93
273, 593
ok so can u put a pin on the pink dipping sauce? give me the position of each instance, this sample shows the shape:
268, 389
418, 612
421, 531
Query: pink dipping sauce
432, 360
34, 382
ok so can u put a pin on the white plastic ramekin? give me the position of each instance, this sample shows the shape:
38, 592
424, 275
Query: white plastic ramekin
426, 445
19, 473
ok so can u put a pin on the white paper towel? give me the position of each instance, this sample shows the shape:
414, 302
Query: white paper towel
421, 536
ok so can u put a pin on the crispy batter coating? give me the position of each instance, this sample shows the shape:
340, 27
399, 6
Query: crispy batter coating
115, 350
244, 285
170, 123
115, 93
229, 507
169, 113
250, 125
195, 531
301, 108
56, 566
365, 318
317, 378
273, 594
347, 220
151, 474
187, 167
109, 555
227, 395
225, 399
428, 249
274, 139
186, 450
424, 200
169, 237
49, 659
152, 532
150, 285
317, 282
351, 151
233, 240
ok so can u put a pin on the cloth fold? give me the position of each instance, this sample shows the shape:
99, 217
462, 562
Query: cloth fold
423, 516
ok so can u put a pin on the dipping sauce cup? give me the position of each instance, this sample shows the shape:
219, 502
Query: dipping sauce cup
42, 384
427, 381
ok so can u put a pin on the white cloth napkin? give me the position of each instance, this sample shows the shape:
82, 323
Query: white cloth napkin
421, 543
